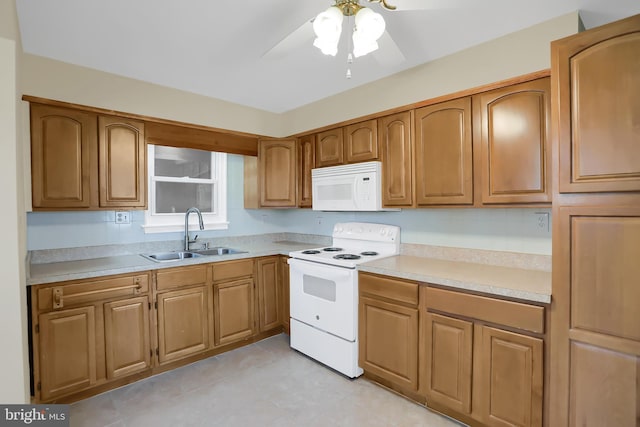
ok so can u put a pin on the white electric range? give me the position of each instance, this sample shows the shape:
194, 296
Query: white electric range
324, 292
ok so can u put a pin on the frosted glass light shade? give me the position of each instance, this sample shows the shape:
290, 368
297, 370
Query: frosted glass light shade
369, 27
328, 27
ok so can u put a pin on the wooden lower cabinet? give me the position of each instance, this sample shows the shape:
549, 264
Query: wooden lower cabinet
233, 311
389, 341
477, 372
67, 347
268, 293
448, 361
182, 323
388, 330
91, 335
86, 333
126, 336
510, 378
283, 273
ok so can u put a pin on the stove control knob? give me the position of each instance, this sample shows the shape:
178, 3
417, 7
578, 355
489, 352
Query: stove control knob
383, 231
317, 317
338, 229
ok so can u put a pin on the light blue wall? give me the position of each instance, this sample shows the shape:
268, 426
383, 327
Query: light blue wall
513, 230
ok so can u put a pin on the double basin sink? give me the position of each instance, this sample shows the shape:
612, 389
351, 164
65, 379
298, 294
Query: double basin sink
180, 255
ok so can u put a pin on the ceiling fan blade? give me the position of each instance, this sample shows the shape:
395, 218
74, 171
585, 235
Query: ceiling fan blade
303, 34
388, 53
425, 4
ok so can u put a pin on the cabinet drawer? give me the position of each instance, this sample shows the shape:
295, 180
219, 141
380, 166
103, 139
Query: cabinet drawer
181, 276
508, 313
387, 287
71, 294
232, 270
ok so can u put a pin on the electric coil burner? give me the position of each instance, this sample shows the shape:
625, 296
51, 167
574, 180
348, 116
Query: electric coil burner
324, 292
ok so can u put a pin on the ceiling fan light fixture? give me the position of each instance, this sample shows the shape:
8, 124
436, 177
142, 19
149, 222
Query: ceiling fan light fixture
328, 27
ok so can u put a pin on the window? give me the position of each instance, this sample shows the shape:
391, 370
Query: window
180, 178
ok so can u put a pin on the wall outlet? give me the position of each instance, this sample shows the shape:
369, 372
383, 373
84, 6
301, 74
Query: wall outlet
123, 217
542, 221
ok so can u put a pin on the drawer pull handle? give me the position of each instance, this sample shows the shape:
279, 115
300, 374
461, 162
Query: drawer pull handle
58, 301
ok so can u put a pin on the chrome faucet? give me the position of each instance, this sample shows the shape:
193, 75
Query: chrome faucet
186, 227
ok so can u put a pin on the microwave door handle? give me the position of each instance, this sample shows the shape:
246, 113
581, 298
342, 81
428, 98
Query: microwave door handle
357, 191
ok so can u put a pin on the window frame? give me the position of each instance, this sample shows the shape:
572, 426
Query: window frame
170, 222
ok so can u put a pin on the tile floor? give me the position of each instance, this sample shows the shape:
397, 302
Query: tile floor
264, 384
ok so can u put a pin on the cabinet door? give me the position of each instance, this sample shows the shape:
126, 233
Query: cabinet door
126, 335
510, 379
396, 143
447, 369
63, 157
443, 153
361, 141
122, 157
283, 272
596, 75
277, 169
596, 322
268, 293
306, 162
182, 323
514, 143
329, 148
67, 351
388, 335
233, 309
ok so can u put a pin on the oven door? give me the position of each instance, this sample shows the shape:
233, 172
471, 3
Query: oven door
325, 297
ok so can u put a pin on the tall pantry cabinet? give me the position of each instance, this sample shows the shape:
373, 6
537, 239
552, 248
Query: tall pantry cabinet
595, 323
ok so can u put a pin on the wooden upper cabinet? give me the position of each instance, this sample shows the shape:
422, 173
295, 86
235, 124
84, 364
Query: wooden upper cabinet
597, 108
306, 162
122, 162
277, 170
361, 141
513, 137
63, 144
396, 141
329, 148
443, 153
80, 160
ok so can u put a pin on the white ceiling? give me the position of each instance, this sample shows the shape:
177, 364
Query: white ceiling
216, 48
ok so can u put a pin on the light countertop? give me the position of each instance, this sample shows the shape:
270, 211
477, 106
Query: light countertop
521, 283
104, 266
531, 285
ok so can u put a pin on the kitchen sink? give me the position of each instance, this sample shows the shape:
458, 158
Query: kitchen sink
170, 256
180, 255
218, 251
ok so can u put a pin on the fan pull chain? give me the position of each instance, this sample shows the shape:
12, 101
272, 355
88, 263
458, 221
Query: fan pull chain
349, 49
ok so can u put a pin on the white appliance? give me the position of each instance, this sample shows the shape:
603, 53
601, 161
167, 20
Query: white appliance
324, 292
354, 187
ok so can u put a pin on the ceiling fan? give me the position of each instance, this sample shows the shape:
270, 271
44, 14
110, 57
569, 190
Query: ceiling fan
329, 23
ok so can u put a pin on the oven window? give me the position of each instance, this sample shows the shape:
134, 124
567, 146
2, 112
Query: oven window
318, 287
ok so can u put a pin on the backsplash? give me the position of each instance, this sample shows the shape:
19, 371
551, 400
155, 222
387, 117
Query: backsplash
512, 230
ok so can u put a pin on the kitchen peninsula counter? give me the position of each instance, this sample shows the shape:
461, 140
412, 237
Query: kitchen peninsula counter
520, 283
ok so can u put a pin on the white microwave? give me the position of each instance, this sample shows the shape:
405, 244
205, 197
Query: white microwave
354, 187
